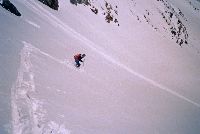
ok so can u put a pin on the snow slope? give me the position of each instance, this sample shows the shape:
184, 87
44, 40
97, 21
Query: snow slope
137, 77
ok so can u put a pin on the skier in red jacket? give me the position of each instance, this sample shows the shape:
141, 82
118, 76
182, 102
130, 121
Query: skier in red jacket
78, 58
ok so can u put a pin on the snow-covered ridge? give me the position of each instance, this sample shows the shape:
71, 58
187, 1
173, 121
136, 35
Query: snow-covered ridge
28, 112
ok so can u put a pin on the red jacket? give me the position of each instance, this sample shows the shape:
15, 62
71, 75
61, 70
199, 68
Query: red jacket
77, 57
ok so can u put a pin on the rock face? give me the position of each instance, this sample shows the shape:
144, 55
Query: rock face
86, 2
51, 3
10, 7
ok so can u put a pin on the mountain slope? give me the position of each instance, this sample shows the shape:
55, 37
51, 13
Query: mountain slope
137, 77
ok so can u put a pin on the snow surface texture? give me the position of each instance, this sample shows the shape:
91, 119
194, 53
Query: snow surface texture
30, 121
141, 73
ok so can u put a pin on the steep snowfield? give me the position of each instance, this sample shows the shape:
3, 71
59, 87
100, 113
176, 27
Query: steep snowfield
137, 77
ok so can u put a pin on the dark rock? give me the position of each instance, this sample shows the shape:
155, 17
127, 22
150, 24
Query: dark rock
109, 18
179, 22
10, 7
75, 2
186, 42
181, 42
51, 3
170, 14
116, 21
173, 32
95, 10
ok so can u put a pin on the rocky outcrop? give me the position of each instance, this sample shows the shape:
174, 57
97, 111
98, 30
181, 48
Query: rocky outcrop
75, 2
109, 11
10, 7
51, 3
174, 19
172, 23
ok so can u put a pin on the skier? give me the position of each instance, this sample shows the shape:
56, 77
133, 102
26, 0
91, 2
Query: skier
78, 58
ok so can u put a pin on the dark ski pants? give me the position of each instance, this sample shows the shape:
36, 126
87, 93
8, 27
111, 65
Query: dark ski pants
77, 63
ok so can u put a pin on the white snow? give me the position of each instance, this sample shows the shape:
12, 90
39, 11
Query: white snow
135, 78
33, 24
57, 129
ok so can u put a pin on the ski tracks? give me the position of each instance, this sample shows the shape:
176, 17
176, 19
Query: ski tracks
33, 23
66, 62
71, 32
86, 42
28, 112
24, 107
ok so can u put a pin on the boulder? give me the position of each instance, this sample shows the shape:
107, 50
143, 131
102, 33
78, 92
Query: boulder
75, 2
51, 3
10, 7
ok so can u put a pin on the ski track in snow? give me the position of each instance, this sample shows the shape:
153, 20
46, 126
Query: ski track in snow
28, 112
24, 107
66, 63
71, 32
56, 22
32, 23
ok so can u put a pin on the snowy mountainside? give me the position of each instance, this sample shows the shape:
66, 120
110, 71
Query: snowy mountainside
141, 73
170, 24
